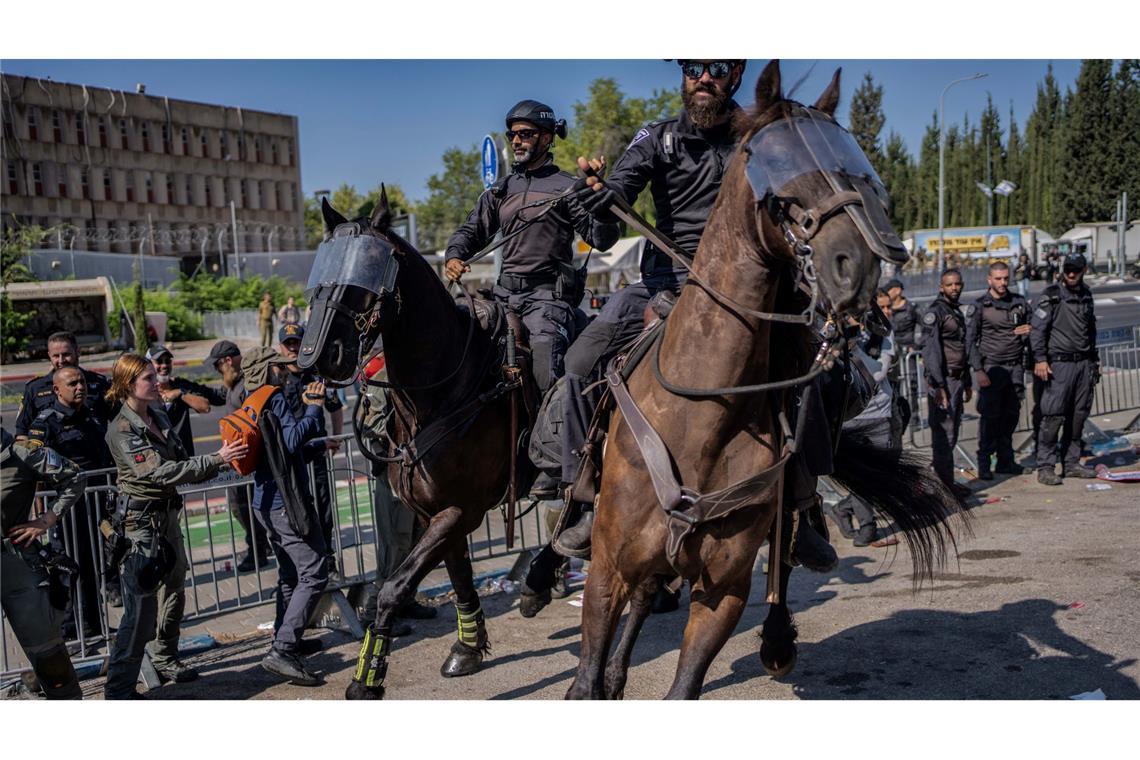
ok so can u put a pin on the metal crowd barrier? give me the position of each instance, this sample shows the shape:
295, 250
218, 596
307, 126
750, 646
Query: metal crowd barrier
1117, 391
215, 544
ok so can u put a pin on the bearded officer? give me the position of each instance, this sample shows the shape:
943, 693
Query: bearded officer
25, 580
948, 382
1063, 337
537, 281
996, 335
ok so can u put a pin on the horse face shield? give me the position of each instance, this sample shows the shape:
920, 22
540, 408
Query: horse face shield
810, 142
351, 276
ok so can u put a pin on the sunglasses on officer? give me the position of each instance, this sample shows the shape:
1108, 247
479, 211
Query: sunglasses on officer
716, 69
522, 134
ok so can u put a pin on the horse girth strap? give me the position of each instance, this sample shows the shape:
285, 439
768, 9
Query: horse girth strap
685, 509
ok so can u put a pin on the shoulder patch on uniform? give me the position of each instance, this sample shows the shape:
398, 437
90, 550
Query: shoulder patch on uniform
140, 458
641, 135
928, 318
1040, 313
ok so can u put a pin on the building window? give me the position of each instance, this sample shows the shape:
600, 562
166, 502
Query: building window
56, 127
123, 133
61, 182
81, 128
189, 191
107, 185
244, 196
13, 178
289, 144
205, 145
273, 151
185, 136
225, 193
38, 178
102, 133
84, 183
257, 149
209, 193
130, 187
225, 143
170, 188
146, 137
33, 123
149, 188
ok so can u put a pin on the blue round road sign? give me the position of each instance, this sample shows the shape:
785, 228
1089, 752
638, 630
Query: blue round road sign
490, 162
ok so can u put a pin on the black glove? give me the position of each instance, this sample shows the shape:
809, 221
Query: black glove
597, 204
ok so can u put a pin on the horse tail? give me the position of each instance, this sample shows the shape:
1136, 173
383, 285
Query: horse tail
900, 487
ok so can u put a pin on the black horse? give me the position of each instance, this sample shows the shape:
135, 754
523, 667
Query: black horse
450, 433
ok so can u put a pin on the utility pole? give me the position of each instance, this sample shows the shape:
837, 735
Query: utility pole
233, 224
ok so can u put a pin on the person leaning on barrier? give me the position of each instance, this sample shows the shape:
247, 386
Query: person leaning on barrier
226, 358
996, 335
296, 382
180, 395
30, 587
151, 464
72, 429
947, 378
284, 505
39, 394
1063, 337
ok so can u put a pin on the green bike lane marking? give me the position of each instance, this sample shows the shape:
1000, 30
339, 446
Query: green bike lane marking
219, 523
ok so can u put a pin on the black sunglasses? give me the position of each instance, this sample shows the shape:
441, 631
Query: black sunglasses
716, 69
522, 134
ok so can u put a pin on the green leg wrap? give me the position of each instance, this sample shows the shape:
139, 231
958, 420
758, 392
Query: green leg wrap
472, 628
372, 664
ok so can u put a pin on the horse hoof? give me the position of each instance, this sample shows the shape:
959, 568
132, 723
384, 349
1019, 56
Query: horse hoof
463, 661
357, 690
531, 604
778, 666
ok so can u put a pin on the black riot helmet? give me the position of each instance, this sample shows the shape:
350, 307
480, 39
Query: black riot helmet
539, 114
1074, 261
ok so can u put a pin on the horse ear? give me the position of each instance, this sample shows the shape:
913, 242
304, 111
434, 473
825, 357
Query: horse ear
768, 86
382, 213
331, 216
829, 100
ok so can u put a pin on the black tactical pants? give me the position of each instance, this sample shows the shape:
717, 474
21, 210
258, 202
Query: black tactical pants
1065, 405
944, 426
621, 320
549, 323
999, 408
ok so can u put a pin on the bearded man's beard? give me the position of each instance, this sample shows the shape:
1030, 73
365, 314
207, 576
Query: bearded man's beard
704, 113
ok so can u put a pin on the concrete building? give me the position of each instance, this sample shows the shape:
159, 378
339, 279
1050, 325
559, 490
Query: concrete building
121, 171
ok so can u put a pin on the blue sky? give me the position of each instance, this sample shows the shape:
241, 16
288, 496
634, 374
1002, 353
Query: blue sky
367, 121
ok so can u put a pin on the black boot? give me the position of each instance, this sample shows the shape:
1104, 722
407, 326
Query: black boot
289, 666
866, 535
574, 541
984, 471
1009, 468
809, 546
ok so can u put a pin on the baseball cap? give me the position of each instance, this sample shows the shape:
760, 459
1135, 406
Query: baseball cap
290, 331
255, 365
221, 350
156, 351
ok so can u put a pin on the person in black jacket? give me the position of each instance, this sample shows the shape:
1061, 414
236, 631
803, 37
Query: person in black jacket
948, 382
180, 395
39, 394
537, 280
1063, 337
996, 335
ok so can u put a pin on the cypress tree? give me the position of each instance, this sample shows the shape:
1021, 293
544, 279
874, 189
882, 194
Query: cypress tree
926, 185
866, 120
1013, 206
1089, 181
898, 175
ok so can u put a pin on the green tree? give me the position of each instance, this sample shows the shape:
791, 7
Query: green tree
926, 189
138, 315
1126, 134
866, 120
1088, 177
451, 196
314, 223
898, 174
1042, 145
16, 243
991, 158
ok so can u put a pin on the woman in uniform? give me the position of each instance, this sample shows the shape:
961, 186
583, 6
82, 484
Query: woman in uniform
151, 463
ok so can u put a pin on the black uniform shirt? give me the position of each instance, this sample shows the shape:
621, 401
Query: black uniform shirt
944, 350
547, 241
989, 330
178, 411
39, 394
904, 325
1063, 323
77, 434
684, 167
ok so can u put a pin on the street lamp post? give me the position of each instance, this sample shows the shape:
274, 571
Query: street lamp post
942, 169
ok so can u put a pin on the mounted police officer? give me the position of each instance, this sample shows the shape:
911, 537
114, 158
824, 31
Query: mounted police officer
72, 429
39, 394
151, 464
537, 281
996, 335
30, 584
1063, 337
948, 382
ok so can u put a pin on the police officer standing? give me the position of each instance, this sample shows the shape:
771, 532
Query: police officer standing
39, 394
73, 430
538, 281
1063, 337
151, 464
948, 382
25, 566
996, 328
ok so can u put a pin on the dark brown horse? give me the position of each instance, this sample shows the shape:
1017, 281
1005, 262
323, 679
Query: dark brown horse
450, 432
715, 339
